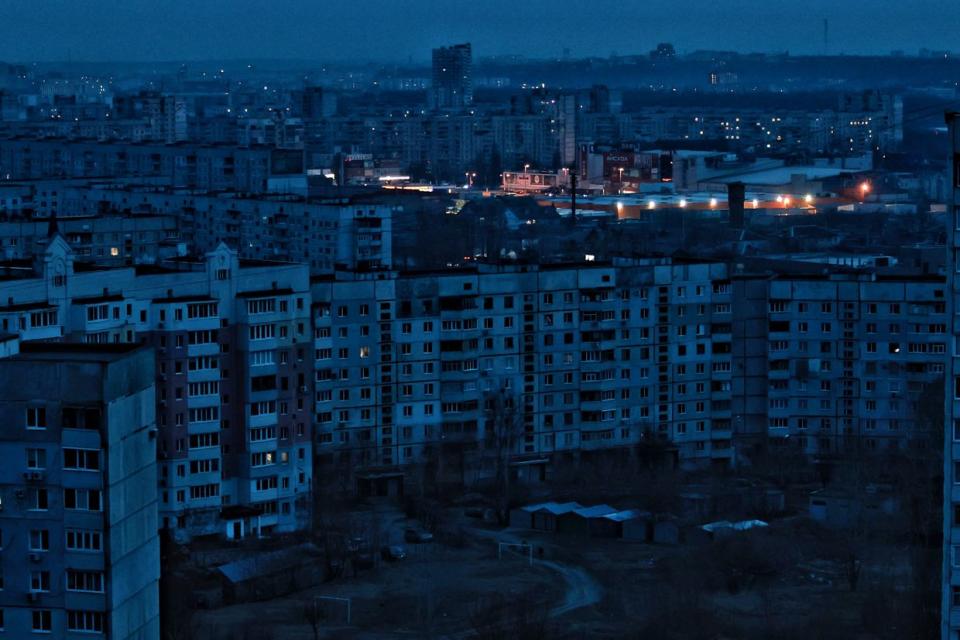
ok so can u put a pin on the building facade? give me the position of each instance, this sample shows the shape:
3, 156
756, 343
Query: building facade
79, 524
233, 375
950, 603
452, 86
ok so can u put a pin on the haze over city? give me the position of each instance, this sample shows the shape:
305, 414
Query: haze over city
392, 31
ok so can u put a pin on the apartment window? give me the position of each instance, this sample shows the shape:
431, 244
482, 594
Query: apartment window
42, 621
262, 331
36, 418
82, 499
264, 407
261, 305
89, 581
98, 312
262, 459
203, 491
39, 500
36, 458
81, 459
204, 466
83, 540
204, 440
39, 540
204, 414
40, 580
85, 621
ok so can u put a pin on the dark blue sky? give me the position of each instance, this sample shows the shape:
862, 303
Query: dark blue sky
396, 29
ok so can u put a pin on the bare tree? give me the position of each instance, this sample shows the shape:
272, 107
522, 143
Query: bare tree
315, 616
503, 429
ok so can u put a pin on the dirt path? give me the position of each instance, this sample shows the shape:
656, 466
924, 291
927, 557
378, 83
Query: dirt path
582, 590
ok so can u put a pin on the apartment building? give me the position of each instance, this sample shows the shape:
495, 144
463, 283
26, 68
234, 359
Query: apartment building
181, 165
412, 367
409, 366
327, 234
852, 359
258, 366
81, 554
950, 603
117, 239
233, 374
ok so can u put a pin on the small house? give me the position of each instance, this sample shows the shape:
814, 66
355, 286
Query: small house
577, 521
611, 525
546, 517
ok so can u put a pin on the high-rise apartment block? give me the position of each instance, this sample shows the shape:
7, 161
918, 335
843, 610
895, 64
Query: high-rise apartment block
452, 86
711, 362
266, 376
78, 486
950, 603
233, 375
111, 224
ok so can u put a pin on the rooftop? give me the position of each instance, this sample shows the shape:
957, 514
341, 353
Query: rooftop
76, 351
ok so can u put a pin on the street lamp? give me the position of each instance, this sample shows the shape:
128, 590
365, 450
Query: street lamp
621, 179
526, 168
864, 189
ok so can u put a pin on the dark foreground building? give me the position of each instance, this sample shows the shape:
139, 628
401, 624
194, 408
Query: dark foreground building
79, 492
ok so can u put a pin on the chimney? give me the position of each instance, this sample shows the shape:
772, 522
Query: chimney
736, 195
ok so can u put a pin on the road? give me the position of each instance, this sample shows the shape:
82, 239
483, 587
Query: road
582, 590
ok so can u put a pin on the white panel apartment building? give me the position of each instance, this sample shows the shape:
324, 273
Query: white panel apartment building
850, 359
593, 357
234, 371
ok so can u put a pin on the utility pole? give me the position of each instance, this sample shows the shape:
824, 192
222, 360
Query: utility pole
573, 196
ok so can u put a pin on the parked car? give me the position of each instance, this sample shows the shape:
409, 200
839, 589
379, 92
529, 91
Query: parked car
393, 552
417, 536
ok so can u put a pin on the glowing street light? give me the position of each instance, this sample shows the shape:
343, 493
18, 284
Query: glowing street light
864, 189
651, 204
713, 203
526, 168
808, 199
683, 203
756, 203
787, 200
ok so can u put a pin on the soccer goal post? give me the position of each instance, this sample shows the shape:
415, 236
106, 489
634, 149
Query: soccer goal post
518, 547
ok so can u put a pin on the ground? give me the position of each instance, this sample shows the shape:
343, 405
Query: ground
584, 588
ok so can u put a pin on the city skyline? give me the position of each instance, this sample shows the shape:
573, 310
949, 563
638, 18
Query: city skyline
144, 31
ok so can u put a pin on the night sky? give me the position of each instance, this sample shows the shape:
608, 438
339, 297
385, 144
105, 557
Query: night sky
107, 30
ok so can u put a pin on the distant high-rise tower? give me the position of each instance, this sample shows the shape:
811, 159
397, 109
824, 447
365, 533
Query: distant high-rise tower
452, 78
318, 103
